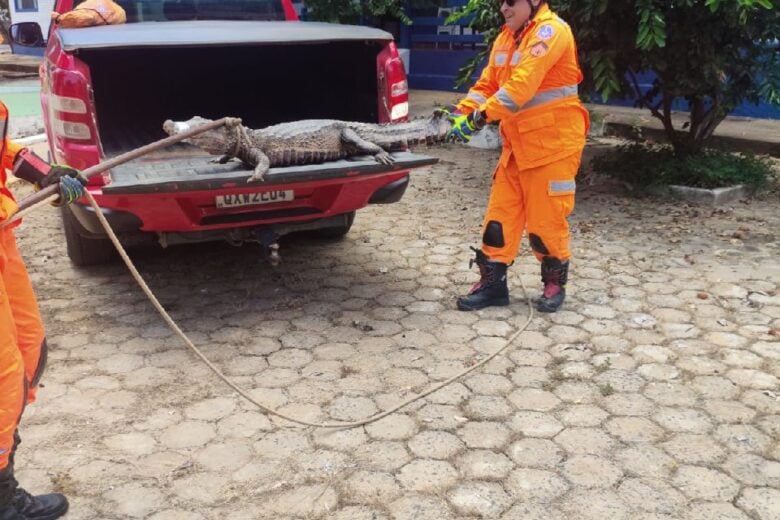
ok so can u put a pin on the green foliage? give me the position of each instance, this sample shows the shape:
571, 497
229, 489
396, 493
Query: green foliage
644, 166
714, 55
487, 20
351, 12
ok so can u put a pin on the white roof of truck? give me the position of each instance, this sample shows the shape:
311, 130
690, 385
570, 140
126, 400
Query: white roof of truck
209, 33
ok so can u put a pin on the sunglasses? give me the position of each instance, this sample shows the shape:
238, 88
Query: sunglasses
510, 3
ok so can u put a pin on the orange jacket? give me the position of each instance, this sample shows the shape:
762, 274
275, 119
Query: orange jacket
8, 151
530, 85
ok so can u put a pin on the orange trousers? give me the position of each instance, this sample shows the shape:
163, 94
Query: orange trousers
536, 200
22, 345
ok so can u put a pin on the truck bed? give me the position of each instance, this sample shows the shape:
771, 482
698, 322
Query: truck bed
182, 168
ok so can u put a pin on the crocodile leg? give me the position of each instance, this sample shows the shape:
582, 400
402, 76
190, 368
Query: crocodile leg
261, 162
351, 137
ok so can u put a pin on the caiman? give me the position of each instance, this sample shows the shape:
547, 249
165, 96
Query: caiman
310, 141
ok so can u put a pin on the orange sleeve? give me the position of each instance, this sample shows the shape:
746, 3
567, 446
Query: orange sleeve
10, 149
546, 45
486, 85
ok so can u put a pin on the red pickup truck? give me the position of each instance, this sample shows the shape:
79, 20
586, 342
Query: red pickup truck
108, 89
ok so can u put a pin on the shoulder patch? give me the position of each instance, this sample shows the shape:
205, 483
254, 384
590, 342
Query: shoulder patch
539, 49
545, 32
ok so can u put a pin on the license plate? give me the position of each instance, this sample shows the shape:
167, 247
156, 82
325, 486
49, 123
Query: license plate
253, 199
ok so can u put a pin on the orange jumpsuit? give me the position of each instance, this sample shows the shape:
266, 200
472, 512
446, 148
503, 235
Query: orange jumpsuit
530, 86
22, 341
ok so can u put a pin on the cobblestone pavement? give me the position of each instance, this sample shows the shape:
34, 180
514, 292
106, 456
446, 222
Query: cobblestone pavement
653, 395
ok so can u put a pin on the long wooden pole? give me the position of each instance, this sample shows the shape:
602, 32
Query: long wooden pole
53, 190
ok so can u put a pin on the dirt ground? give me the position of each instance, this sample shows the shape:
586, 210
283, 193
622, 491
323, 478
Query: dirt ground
653, 395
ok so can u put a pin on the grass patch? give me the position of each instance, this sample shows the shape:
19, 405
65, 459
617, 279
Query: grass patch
644, 166
606, 389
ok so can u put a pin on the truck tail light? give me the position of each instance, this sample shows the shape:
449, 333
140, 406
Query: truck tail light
394, 90
70, 130
74, 138
68, 104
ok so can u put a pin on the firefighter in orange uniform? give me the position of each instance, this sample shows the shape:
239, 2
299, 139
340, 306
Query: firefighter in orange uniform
22, 339
530, 86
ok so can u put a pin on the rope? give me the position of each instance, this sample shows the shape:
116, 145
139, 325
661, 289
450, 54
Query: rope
240, 391
172, 324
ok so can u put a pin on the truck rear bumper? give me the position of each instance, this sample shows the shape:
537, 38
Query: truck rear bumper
151, 200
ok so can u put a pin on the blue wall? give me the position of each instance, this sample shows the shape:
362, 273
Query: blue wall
436, 69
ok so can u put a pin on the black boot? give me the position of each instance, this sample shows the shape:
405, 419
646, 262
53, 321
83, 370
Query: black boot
18, 504
40, 507
7, 487
491, 289
554, 276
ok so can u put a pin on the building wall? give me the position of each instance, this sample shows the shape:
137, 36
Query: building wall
42, 13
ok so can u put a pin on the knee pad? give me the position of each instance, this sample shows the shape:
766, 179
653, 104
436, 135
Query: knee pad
494, 234
537, 244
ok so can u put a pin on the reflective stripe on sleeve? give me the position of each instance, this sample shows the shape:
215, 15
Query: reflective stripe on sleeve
550, 95
506, 100
476, 96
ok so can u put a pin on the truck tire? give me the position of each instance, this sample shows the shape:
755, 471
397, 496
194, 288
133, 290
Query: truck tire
334, 233
81, 250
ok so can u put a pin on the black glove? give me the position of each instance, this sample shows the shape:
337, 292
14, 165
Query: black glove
70, 180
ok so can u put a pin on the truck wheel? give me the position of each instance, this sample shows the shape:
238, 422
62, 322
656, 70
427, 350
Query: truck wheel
337, 232
81, 250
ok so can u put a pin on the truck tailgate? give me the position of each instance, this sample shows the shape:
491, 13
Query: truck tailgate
176, 171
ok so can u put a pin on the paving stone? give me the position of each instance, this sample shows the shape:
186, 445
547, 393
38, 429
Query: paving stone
427, 475
533, 511
590, 471
369, 487
742, 438
527, 485
764, 503
484, 499
577, 392
721, 511
315, 499
646, 460
694, 449
434, 444
441, 416
729, 411
533, 399
417, 507
135, 444
753, 378
340, 439
487, 384
627, 404
382, 455
483, 464
346, 408
583, 415
536, 453
597, 504
187, 434
585, 440
706, 484
487, 407
134, 500
634, 429
683, 420
652, 495
535, 424
487, 435
753, 470
282, 444
715, 387
392, 427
